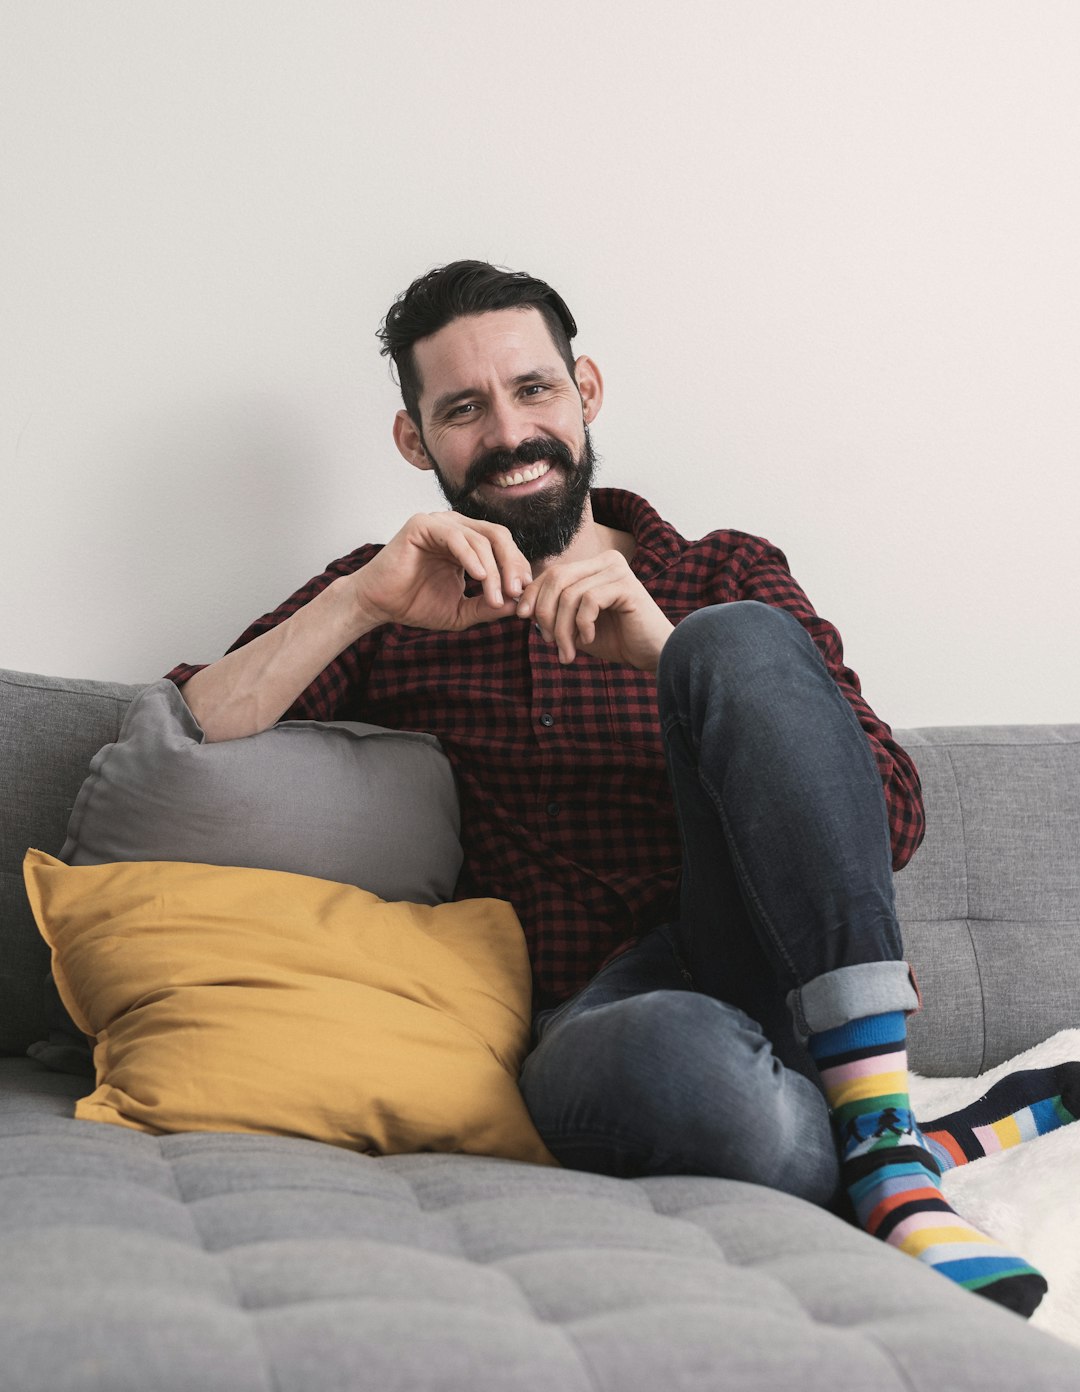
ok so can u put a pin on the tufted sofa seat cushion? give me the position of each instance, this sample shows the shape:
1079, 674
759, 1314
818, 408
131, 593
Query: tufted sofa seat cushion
237, 1263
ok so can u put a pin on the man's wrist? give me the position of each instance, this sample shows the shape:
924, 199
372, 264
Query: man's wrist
351, 616
652, 663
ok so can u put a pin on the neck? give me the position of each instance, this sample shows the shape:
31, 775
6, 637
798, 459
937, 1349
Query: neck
591, 540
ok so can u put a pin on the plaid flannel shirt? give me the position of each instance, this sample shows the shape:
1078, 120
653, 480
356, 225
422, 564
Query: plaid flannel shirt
566, 809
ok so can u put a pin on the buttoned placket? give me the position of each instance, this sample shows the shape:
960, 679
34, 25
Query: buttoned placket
549, 721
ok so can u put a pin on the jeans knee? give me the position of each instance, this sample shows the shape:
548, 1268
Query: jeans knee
616, 1062
745, 652
629, 1040
744, 628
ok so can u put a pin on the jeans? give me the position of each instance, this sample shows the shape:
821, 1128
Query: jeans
687, 1053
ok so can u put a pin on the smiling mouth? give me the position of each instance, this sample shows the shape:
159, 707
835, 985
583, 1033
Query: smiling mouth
514, 477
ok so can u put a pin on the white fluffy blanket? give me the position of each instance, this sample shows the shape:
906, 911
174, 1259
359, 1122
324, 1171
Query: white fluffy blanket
1028, 1197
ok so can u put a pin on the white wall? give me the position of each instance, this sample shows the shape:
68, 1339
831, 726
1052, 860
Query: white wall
824, 250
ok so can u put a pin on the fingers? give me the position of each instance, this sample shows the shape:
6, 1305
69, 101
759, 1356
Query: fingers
487, 552
476, 610
514, 570
566, 601
473, 552
575, 623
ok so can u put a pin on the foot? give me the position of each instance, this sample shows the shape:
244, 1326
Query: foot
894, 1185
891, 1177
1018, 1108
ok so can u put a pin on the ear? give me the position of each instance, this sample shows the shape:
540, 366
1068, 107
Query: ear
590, 386
408, 440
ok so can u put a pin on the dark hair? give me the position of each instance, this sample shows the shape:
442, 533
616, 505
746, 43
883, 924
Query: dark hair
458, 289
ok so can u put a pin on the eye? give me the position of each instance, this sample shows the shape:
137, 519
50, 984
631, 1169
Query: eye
465, 406
535, 387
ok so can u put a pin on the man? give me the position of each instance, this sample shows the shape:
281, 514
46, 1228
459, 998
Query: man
664, 765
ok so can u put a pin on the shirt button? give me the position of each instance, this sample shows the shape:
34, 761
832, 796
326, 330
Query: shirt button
553, 809
547, 720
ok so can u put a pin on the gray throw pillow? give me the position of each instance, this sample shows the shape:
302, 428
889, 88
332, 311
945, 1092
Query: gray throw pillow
343, 801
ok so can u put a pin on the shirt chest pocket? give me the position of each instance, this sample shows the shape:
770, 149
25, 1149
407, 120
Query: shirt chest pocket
631, 703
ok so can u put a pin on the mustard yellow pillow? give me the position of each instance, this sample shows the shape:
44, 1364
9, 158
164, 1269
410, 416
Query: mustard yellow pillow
227, 999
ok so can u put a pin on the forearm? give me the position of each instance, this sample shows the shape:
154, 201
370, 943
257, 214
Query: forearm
251, 687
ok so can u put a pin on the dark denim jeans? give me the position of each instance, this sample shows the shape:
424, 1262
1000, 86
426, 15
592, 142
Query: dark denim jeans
687, 1054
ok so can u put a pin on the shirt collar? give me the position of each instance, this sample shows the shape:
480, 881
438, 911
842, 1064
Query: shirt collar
659, 545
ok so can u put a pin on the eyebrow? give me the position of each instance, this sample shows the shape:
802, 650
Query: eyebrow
448, 399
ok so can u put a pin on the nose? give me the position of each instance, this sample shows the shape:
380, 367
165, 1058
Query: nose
506, 424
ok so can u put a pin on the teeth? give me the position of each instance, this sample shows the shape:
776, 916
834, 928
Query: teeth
521, 476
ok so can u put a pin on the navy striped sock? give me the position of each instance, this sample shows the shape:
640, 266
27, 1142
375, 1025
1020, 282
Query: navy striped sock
1018, 1108
892, 1180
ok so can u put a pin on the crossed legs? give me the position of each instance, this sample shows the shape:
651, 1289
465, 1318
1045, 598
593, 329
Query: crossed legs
735, 1042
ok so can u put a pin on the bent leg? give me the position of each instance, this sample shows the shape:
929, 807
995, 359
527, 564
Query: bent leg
774, 778
781, 809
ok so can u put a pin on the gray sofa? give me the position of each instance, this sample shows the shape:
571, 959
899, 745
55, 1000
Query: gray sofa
208, 1261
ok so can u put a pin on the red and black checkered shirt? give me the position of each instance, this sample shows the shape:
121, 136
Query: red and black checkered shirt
566, 809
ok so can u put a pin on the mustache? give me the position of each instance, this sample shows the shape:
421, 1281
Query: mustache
530, 451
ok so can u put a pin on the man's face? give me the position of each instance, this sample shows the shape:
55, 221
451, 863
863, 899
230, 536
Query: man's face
504, 428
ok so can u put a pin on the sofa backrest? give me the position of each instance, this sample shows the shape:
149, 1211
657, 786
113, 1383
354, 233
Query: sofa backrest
50, 729
990, 904
989, 907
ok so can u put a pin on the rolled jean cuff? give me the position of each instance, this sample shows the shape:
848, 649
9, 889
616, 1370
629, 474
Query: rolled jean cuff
852, 993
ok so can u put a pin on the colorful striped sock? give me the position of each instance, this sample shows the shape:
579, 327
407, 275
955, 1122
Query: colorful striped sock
1018, 1108
891, 1178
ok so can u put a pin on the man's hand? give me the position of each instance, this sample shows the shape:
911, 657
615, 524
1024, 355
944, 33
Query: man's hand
418, 578
600, 607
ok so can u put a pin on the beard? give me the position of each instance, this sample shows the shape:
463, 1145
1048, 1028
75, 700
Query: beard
543, 524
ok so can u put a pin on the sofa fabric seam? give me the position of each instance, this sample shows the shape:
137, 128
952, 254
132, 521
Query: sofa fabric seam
967, 908
249, 1315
